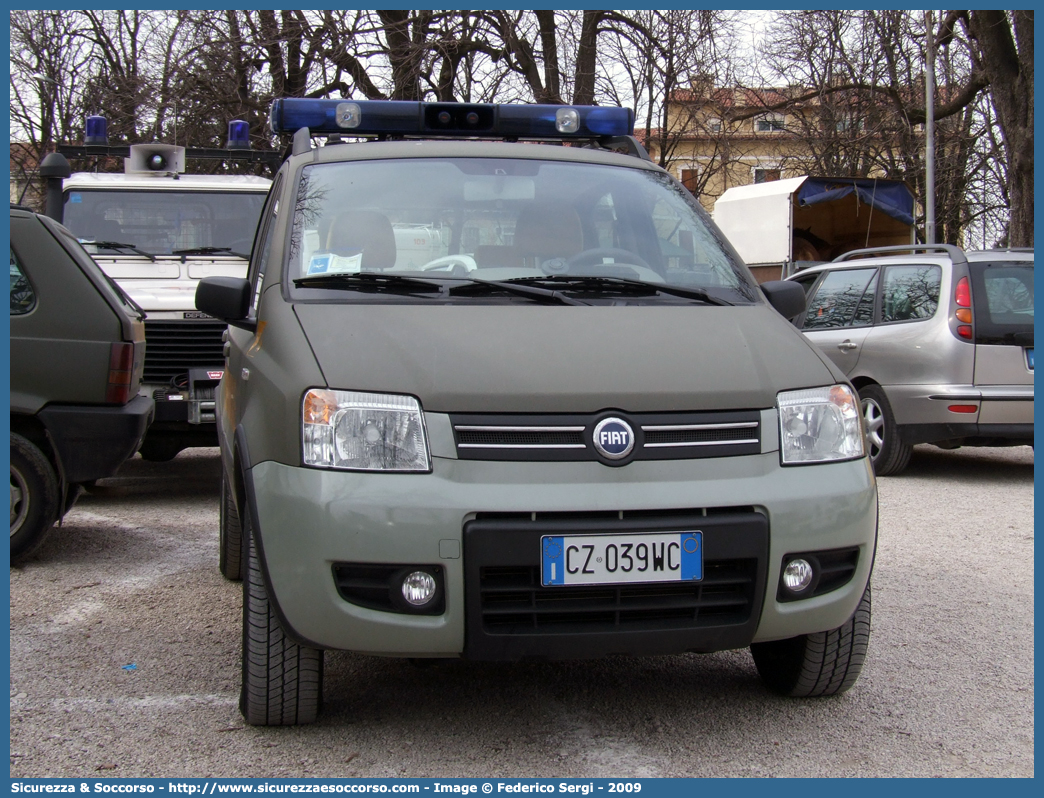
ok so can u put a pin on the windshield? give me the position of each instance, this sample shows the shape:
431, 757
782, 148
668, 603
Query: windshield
160, 222
503, 219
1003, 297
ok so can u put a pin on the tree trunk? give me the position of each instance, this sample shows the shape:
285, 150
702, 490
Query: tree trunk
1006, 56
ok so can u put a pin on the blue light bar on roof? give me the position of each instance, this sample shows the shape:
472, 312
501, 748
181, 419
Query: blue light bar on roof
403, 118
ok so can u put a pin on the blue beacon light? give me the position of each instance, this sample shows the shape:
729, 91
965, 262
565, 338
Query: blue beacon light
398, 117
96, 131
238, 135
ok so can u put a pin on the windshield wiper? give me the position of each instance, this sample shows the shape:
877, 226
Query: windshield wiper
382, 281
118, 245
594, 281
209, 251
519, 289
370, 281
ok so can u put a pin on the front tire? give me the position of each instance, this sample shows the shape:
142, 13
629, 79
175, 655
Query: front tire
282, 681
889, 453
230, 533
820, 664
34, 497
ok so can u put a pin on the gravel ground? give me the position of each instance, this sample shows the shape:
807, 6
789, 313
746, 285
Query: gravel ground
125, 661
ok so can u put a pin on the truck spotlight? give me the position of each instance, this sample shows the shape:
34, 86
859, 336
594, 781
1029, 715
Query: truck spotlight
567, 120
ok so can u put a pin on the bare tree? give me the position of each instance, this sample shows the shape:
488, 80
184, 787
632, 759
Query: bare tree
1003, 51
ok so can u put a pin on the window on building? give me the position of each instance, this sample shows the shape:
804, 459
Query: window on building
714, 126
688, 179
769, 124
765, 175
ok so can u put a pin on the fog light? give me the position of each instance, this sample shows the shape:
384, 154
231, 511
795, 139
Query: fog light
797, 575
418, 588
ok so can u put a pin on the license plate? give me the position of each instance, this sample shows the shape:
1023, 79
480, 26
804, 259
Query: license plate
621, 559
1029, 358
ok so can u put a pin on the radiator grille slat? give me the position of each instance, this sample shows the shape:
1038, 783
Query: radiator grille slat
173, 347
513, 602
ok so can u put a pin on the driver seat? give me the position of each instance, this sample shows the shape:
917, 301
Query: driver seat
548, 230
368, 232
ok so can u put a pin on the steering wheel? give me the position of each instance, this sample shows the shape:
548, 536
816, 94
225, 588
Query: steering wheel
595, 255
449, 263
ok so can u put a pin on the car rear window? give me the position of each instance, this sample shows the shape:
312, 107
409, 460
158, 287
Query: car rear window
1002, 296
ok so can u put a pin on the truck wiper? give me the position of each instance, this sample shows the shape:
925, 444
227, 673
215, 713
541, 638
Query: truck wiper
518, 289
371, 281
594, 281
209, 251
118, 245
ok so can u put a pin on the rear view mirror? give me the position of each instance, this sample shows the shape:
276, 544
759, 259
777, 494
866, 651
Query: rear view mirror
487, 188
225, 298
785, 296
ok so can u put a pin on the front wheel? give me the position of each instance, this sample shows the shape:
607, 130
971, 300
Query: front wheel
819, 664
282, 680
34, 497
889, 453
230, 535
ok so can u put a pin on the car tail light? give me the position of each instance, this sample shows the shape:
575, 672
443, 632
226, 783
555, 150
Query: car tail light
962, 296
121, 373
963, 408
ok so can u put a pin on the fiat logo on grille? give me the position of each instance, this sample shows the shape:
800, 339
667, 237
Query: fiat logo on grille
613, 438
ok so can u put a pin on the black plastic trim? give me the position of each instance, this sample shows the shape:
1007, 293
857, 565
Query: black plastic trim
735, 539
969, 434
831, 569
93, 442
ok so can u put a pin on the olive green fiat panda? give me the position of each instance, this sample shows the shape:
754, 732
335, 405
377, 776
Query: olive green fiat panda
497, 388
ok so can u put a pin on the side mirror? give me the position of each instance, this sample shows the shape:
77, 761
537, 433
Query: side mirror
225, 298
785, 296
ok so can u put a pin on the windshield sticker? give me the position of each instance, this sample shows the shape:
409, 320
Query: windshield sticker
75, 198
329, 263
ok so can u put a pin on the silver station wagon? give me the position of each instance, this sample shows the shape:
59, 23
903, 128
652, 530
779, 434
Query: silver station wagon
496, 396
938, 342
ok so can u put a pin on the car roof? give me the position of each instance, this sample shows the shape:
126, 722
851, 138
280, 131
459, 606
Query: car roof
937, 258
456, 148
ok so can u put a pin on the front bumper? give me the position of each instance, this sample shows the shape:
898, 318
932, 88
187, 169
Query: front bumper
309, 520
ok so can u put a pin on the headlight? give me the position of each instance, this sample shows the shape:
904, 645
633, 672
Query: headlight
363, 431
817, 425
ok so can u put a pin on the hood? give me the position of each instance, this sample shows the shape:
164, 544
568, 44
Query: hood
168, 283
562, 359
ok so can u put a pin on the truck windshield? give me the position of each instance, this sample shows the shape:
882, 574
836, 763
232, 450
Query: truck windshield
506, 219
160, 222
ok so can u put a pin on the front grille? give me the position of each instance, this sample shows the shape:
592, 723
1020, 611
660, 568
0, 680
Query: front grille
700, 434
514, 602
493, 437
173, 347
511, 615
657, 436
